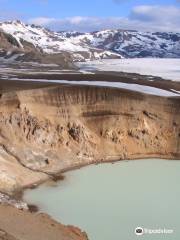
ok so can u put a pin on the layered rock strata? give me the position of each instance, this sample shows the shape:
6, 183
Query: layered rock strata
48, 130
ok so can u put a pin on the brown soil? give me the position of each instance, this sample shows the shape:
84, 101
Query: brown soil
22, 225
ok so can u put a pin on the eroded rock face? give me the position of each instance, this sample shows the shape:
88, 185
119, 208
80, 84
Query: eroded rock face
45, 131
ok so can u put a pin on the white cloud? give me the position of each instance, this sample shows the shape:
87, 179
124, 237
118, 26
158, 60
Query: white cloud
77, 23
42, 21
144, 17
156, 13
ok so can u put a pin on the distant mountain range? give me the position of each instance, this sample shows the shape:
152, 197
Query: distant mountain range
19, 41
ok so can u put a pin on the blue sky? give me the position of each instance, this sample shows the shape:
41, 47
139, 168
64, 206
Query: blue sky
89, 15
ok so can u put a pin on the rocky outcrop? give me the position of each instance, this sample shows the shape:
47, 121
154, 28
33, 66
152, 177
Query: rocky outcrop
14, 50
49, 130
7, 200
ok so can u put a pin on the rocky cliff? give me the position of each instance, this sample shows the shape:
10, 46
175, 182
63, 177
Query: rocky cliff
48, 130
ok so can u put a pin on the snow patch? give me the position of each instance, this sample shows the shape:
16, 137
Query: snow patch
164, 68
120, 85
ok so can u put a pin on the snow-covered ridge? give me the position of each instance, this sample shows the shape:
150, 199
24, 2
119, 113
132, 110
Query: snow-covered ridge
52, 42
40, 37
105, 44
132, 43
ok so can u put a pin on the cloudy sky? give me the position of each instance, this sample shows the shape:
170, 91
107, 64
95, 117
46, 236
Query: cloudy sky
92, 15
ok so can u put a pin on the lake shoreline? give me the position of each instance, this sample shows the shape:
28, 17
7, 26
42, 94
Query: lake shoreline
63, 187
35, 208
18, 195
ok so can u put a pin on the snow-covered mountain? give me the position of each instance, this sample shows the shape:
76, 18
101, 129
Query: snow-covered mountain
131, 43
50, 42
30, 40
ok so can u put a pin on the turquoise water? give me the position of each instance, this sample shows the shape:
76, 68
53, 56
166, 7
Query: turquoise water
109, 201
